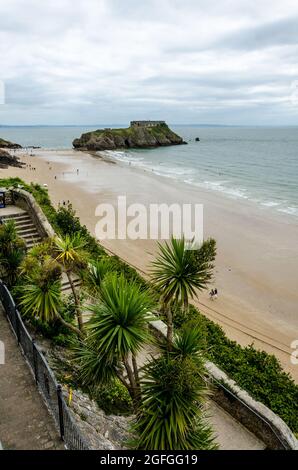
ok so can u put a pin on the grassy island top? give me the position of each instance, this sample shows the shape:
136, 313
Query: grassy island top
140, 135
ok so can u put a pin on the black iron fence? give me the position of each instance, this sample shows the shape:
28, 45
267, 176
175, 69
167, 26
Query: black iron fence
44, 377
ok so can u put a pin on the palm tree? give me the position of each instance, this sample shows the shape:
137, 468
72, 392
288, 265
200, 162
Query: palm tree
117, 331
95, 273
69, 252
178, 275
40, 295
12, 252
174, 392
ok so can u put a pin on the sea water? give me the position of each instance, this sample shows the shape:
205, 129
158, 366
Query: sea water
254, 163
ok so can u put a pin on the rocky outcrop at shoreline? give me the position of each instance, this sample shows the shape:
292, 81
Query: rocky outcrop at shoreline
5, 144
7, 160
132, 137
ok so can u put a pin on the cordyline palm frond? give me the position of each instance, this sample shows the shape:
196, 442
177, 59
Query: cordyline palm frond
178, 275
171, 417
12, 252
94, 367
116, 332
119, 323
175, 273
9, 265
43, 301
8, 236
95, 273
40, 295
188, 345
69, 252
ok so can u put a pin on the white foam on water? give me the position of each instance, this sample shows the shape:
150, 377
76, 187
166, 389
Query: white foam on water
289, 210
191, 176
269, 203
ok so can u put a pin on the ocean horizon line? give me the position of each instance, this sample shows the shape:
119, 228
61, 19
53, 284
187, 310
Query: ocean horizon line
6, 126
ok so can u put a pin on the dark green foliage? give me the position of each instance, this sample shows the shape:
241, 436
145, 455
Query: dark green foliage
177, 271
174, 393
257, 372
120, 267
12, 252
68, 224
119, 324
113, 398
116, 332
204, 257
55, 330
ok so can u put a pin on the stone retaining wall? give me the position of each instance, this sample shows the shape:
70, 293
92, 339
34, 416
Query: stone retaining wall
26, 201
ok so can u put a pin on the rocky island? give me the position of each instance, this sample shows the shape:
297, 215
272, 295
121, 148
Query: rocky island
140, 134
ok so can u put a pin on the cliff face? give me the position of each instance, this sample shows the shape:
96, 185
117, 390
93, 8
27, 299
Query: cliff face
132, 137
5, 144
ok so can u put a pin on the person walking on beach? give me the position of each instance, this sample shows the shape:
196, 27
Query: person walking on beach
213, 294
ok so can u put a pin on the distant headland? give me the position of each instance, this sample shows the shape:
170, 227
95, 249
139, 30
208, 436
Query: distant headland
140, 134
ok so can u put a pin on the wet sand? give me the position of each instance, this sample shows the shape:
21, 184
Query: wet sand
257, 264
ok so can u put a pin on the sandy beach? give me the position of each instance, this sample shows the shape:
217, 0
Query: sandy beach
257, 264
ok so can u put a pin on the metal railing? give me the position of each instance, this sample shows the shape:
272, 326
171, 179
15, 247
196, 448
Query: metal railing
45, 380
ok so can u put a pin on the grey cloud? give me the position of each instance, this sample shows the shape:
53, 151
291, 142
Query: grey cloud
75, 62
277, 33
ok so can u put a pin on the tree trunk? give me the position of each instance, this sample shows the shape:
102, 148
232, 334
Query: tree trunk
77, 302
134, 394
137, 377
170, 328
70, 326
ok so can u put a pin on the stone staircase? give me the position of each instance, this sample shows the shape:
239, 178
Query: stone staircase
25, 227
27, 230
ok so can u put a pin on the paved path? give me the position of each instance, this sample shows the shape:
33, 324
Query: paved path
25, 422
230, 434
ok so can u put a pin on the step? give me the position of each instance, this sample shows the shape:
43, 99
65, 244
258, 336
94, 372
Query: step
30, 235
19, 223
18, 220
27, 230
31, 244
13, 216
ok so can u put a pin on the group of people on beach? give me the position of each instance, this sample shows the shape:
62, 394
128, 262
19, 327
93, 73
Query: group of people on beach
30, 167
213, 294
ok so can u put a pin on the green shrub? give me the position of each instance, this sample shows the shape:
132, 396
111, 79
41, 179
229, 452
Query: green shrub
68, 223
59, 334
113, 398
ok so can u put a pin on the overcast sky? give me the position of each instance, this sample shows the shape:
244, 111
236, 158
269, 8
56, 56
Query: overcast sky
186, 61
